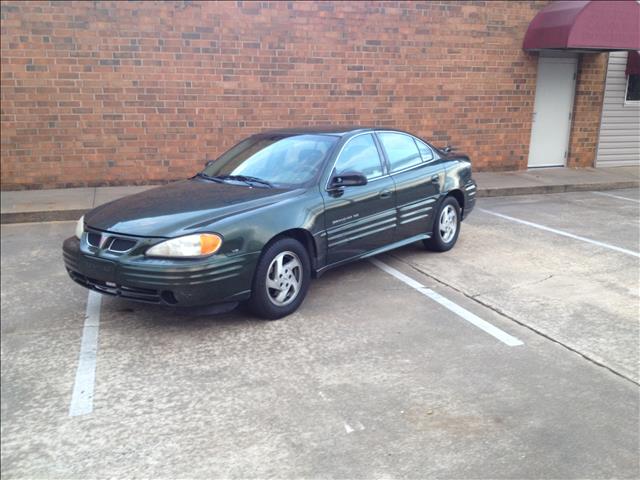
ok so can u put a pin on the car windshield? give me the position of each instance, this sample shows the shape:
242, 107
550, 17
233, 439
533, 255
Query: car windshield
277, 160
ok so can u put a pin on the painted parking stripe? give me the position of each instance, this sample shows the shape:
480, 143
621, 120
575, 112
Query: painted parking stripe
463, 313
563, 233
634, 200
82, 397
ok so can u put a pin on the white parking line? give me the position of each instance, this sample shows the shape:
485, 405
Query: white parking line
564, 234
452, 306
82, 397
617, 196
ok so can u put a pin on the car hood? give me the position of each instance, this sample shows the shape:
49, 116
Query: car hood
180, 208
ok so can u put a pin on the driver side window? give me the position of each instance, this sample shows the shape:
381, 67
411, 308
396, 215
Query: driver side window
360, 155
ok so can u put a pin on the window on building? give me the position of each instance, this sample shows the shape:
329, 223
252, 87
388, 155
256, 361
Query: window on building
360, 155
401, 150
633, 88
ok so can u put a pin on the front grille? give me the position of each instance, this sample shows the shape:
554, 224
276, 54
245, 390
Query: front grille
110, 288
94, 239
110, 242
121, 244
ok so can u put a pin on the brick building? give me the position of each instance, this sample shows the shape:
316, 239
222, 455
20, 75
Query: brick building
114, 93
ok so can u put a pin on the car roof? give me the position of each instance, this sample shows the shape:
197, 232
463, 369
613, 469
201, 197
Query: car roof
325, 130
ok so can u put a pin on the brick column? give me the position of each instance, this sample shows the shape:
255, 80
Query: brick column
587, 109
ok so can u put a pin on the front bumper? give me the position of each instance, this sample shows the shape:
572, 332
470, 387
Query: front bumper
187, 283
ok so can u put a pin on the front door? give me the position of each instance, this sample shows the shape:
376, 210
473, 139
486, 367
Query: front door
552, 113
361, 218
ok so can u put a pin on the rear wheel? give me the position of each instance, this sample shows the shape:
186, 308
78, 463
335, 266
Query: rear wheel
446, 227
281, 280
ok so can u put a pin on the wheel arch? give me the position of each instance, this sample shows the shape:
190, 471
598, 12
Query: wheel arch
459, 196
304, 237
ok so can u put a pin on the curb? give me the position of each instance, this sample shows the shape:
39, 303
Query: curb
46, 216
69, 215
545, 189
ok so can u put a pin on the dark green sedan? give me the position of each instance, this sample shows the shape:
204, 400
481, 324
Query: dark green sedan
271, 213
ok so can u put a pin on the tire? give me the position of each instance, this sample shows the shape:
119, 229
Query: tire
281, 280
443, 238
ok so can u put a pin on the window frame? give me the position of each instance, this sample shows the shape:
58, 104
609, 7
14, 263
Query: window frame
626, 90
381, 158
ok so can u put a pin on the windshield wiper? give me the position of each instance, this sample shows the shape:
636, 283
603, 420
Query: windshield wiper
208, 177
244, 178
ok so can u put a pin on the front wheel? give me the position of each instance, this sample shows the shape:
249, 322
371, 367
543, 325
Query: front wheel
446, 227
281, 280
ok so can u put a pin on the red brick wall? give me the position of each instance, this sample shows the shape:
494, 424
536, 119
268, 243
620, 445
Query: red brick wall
100, 93
587, 109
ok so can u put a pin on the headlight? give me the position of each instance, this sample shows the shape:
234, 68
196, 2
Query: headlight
189, 246
80, 228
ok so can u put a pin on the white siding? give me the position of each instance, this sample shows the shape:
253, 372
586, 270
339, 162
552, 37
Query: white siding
619, 141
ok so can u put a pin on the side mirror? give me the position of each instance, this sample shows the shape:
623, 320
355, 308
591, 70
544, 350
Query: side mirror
348, 179
448, 149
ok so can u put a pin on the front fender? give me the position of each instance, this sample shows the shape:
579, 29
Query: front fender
250, 231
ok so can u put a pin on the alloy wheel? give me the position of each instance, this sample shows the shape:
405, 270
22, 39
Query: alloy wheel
448, 223
284, 278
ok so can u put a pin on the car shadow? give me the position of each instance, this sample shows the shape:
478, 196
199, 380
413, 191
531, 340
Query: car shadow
353, 275
116, 310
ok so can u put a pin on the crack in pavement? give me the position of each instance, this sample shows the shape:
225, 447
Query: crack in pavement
513, 287
599, 363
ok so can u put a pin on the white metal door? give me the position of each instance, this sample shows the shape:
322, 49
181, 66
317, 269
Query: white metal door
555, 87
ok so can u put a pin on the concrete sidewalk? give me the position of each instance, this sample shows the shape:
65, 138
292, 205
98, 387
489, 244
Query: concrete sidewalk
71, 203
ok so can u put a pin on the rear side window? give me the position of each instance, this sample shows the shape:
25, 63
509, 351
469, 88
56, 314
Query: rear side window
360, 155
425, 151
401, 150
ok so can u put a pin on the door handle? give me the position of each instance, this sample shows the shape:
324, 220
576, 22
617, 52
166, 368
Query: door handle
435, 179
385, 194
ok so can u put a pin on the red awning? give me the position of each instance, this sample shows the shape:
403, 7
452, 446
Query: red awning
585, 25
633, 63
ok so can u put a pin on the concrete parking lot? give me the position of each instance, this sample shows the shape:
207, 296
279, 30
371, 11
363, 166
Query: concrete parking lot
401, 368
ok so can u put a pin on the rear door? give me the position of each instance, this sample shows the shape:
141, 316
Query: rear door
360, 218
417, 174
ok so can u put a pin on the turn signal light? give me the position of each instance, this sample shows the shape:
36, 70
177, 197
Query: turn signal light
209, 243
